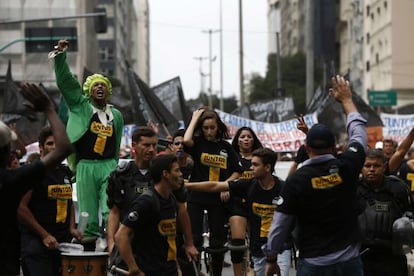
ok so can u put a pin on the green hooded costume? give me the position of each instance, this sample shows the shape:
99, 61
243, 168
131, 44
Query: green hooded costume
91, 173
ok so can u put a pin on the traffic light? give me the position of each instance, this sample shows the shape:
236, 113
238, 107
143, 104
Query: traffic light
101, 23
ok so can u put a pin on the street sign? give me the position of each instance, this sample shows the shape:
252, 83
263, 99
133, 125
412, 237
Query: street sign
382, 98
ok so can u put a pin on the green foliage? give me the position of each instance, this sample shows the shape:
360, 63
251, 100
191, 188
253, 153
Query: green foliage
293, 80
229, 103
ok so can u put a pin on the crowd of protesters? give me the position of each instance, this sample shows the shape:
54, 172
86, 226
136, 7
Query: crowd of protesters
339, 211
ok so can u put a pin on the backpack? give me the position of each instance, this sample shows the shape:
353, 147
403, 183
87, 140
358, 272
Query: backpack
115, 258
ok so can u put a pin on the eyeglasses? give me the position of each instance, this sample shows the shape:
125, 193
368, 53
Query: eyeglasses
178, 143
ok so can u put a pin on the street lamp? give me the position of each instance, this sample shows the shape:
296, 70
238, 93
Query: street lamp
200, 69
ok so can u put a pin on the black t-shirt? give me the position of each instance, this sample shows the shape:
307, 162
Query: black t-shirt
322, 196
13, 185
407, 175
51, 203
98, 142
154, 234
261, 207
214, 161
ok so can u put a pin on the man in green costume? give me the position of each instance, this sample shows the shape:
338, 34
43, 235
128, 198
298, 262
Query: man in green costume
94, 128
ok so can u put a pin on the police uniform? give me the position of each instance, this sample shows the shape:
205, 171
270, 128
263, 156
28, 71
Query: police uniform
382, 206
128, 182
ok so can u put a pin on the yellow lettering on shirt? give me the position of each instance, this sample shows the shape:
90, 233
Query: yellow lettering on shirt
62, 193
100, 129
214, 160
99, 145
326, 181
265, 212
410, 176
247, 175
167, 228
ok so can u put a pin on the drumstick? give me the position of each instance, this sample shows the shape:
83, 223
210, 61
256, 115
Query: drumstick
195, 268
114, 268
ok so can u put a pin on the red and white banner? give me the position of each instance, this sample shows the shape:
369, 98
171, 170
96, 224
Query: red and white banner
280, 137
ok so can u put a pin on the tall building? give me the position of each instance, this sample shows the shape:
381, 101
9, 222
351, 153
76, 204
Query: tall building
273, 24
389, 47
350, 30
26, 44
293, 27
125, 41
141, 41
376, 48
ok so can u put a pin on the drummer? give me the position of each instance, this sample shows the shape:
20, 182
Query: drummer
46, 214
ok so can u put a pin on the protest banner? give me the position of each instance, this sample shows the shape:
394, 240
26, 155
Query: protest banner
280, 137
396, 126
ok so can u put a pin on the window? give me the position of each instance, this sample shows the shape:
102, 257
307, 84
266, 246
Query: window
379, 10
372, 16
368, 10
368, 67
42, 40
377, 58
385, 4
368, 37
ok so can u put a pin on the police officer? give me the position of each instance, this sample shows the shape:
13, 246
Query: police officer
132, 179
321, 198
385, 199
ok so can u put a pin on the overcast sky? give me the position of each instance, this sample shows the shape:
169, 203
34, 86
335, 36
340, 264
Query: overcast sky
176, 38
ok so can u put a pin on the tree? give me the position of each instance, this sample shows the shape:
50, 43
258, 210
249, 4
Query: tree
293, 80
229, 103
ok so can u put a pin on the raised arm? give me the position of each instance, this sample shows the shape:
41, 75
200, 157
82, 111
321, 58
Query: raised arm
395, 161
207, 186
356, 124
68, 85
189, 132
39, 101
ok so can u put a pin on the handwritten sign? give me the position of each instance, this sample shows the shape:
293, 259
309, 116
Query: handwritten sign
396, 126
280, 137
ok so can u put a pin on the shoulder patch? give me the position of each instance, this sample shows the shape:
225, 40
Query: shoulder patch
133, 216
278, 200
326, 181
353, 149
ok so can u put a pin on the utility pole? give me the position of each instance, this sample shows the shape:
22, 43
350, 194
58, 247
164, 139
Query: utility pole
278, 67
211, 59
200, 70
309, 49
221, 56
241, 71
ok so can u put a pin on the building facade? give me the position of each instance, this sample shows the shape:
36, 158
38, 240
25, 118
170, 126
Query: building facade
376, 48
26, 43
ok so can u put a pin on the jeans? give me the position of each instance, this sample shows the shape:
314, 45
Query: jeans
351, 267
283, 260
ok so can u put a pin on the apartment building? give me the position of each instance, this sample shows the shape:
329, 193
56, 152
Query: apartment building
109, 52
377, 48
